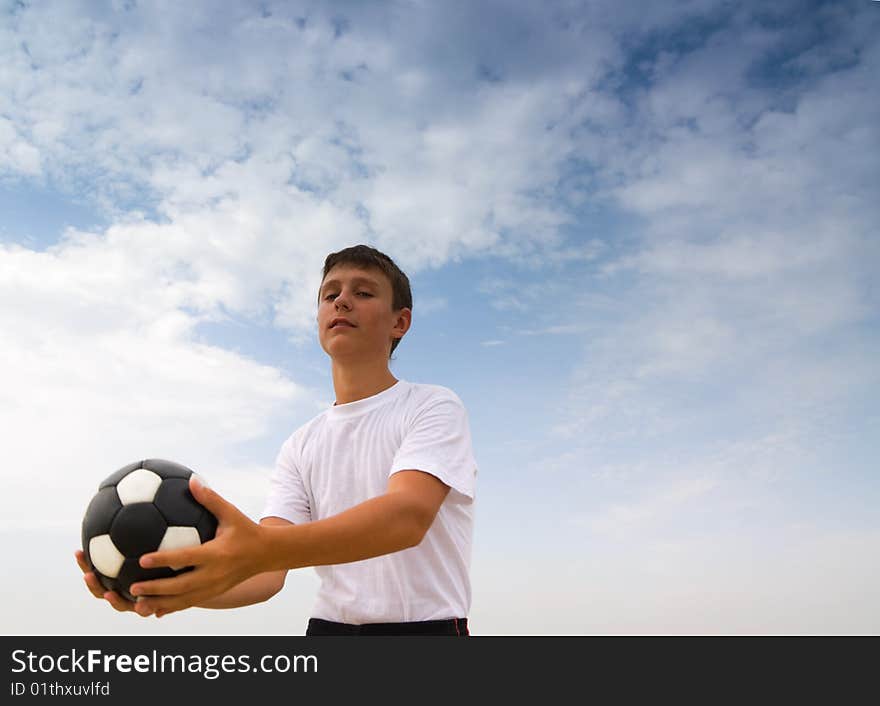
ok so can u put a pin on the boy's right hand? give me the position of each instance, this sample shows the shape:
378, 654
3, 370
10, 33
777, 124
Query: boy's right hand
97, 590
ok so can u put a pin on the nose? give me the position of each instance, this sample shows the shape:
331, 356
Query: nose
342, 301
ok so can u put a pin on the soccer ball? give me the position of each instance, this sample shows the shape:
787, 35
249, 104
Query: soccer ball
143, 507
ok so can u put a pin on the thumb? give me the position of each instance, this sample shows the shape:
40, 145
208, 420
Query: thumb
221, 509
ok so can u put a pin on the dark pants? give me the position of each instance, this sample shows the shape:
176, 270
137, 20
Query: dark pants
454, 627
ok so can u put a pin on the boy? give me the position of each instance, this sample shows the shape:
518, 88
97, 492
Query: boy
376, 492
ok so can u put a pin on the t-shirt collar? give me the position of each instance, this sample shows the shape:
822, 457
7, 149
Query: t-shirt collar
358, 407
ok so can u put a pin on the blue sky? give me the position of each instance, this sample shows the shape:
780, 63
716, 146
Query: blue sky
643, 246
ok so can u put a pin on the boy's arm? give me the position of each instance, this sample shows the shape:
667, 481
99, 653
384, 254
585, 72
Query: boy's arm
388, 523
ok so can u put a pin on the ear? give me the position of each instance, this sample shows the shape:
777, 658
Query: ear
402, 324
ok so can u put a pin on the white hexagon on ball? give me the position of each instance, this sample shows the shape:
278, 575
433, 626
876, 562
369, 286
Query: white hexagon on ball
139, 486
180, 538
105, 556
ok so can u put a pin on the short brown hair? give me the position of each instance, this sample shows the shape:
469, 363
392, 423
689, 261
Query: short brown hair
367, 257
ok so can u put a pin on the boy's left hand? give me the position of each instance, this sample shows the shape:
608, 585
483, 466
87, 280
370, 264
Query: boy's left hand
219, 564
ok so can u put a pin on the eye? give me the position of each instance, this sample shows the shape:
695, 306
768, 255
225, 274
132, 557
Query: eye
330, 296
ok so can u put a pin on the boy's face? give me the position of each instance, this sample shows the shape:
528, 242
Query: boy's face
363, 297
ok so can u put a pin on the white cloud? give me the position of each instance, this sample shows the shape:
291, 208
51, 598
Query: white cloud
756, 246
137, 100
796, 581
101, 367
624, 517
16, 154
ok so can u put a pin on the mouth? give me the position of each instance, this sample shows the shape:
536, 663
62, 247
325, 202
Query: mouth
341, 323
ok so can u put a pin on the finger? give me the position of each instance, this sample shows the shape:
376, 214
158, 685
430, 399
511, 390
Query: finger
223, 510
143, 609
118, 602
175, 585
161, 612
161, 606
174, 558
81, 561
94, 585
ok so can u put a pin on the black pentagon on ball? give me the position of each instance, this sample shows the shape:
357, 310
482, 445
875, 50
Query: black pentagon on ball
138, 528
99, 515
166, 469
181, 509
177, 504
132, 571
108, 583
207, 526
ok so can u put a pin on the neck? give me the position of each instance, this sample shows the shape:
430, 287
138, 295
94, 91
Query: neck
356, 381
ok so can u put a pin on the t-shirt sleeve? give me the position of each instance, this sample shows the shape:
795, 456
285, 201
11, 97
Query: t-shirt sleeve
287, 496
439, 442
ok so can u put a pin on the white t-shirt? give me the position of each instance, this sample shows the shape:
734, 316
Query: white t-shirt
345, 456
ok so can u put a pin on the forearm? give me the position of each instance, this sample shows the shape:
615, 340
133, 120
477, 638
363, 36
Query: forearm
382, 525
256, 589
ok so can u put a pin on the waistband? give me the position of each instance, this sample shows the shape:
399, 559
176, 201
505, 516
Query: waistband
454, 627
